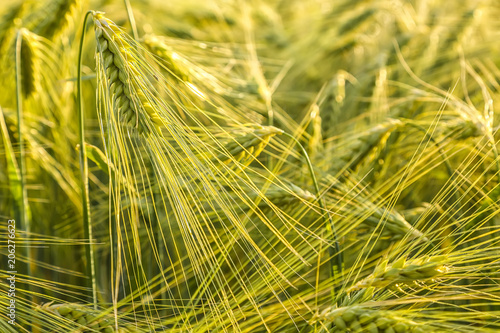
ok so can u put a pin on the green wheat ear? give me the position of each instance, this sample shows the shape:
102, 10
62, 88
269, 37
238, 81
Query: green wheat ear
358, 318
402, 271
126, 82
245, 148
169, 59
354, 151
58, 14
86, 319
30, 63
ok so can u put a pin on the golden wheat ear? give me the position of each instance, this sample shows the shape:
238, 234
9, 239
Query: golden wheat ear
56, 17
126, 82
363, 146
83, 318
169, 59
245, 148
401, 271
358, 318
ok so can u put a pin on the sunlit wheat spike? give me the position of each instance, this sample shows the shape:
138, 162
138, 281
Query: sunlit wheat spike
86, 319
362, 205
462, 129
169, 58
315, 142
30, 63
355, 150
244, 149
81, 315
59, 15
284, 198
394, 222
126, 81
399, 272
365, 319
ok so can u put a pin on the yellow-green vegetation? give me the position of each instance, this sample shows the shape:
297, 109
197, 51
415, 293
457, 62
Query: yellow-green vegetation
250, 166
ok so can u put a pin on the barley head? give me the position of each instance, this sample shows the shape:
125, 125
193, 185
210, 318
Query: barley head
246, 148
425, 268
61, 13
462, 129
358, 318
169, 58
80, 315
366, 144
283, 198
30, 63
126, 81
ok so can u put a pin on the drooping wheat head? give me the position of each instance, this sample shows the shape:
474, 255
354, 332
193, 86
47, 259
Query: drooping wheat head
408, 272
283, 198
354, 151
358, 318
125, 80
85, 319
169, 58
362, 206
245, 148
56, 17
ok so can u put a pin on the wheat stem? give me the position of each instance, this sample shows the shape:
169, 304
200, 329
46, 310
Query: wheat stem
23, 203
330, 226
87, 226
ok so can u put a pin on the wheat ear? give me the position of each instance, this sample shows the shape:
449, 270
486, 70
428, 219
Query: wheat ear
169, 58
426, 268
365, 144
88, 319
61, 13
123, 75
30, 63
462, 129
246, 148
357, 318
284, 198
81, 315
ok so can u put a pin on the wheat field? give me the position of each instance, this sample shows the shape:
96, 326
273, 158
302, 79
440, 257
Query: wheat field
249, 166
